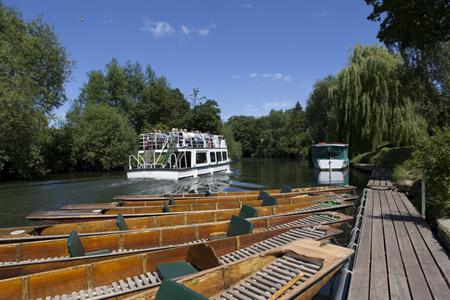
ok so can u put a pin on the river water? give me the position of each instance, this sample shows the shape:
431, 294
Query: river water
20, 198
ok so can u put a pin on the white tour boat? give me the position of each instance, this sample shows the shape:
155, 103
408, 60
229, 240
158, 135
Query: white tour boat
330, 156
178, 154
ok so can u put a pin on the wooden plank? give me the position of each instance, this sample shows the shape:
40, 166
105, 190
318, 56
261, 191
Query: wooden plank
416, 279
439, 254
378, 272
398, 284
436, 282
360, 283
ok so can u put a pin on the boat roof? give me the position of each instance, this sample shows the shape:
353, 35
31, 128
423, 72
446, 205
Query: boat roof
330, 144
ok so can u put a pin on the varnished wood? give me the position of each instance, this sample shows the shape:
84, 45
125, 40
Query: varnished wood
217, 214
75, 278
273, 193
211, 282
35, 257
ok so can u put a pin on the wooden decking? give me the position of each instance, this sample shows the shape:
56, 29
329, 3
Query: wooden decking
380, 179
398, 257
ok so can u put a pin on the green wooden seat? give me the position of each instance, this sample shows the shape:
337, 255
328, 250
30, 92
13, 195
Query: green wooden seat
269, 201
76, 248
120, 221
171, 200
262, 195
286, 189
175, 269
170, 290
239, 226
248, 212
166, 207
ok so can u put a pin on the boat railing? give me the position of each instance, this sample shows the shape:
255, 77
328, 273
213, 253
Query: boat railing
180, 140
139, 160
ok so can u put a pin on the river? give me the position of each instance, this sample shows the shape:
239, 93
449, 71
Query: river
20, 198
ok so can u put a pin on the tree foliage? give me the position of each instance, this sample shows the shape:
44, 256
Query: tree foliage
433, 159
370, 105
279, 134
420, 31
147, 100
33, 69
102, 138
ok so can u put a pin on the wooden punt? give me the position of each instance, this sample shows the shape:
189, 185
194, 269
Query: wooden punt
188, 203
61, 216
241, 195
54, 231
121, 277
295, 271
31, 257
210, 206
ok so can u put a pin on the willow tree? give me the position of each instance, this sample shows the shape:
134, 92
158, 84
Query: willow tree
370, 104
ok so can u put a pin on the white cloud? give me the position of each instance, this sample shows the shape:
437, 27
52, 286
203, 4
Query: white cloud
273, 76
186, 30
236, 76
246, 5
157, 29
203, 32
323, 13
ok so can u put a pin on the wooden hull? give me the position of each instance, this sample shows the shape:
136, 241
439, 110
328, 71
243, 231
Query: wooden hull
197, 204
241, 195
100, 275
218, 215
299, 283
47, 232
31, 257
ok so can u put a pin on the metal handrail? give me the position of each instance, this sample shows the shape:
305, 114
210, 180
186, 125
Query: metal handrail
345, 273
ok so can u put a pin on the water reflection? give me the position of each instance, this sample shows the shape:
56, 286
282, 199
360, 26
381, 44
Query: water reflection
18, 199
340, 177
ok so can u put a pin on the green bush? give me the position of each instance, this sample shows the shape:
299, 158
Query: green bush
391, 157
432, 157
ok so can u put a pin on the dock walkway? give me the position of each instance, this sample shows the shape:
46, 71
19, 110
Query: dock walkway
397, 257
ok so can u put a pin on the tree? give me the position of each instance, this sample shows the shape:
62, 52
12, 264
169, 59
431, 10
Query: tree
318, 109
370, 105
102, 137
206, 117
420, 31
34, 67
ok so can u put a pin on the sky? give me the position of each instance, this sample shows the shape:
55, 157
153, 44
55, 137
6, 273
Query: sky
250, 56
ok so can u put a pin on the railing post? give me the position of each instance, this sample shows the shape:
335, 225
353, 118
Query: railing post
423, 198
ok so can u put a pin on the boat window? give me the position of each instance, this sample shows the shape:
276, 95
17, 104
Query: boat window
200, 158
212, 156
219, 156
224, 155
330, 152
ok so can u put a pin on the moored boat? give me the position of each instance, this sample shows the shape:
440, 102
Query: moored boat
295, 271
177, 206
31, 257
332, 156
284, 192
218, 215
55, 231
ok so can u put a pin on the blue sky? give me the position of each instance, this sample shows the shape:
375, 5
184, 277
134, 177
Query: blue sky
250, 56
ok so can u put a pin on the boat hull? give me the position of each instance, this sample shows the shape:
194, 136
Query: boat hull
173, 174
333, 164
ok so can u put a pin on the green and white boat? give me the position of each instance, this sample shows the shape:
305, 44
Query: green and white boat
332, 156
